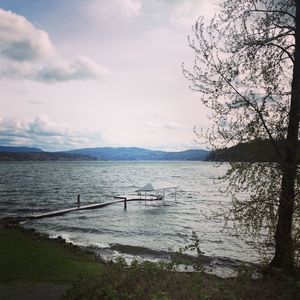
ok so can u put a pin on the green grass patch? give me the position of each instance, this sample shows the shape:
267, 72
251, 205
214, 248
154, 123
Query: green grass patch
25, 257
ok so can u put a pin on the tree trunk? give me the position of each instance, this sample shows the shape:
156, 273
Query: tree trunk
284, 246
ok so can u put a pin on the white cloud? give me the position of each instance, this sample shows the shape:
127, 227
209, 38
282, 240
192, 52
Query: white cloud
130, 7
185, 13
43, 133
103, 11
21, 41
27, 52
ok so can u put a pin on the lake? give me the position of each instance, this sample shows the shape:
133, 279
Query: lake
31, 187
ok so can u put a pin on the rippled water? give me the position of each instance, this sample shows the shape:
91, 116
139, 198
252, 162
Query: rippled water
31, 187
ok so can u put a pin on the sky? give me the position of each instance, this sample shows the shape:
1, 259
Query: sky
94, 73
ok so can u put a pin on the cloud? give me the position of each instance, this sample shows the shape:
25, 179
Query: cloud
43, 133
27, 52
21, 41
167, 126
34, 102
107, 11
130, 7
79, 69
186, 12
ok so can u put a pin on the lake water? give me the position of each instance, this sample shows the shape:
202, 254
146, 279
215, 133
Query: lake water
31, 187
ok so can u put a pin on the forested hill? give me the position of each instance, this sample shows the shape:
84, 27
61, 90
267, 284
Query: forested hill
42, 156
134, 153
19, 149
103, 153
256, 151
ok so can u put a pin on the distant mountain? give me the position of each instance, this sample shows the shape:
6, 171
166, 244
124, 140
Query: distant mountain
134, 153
102, 153
19, 149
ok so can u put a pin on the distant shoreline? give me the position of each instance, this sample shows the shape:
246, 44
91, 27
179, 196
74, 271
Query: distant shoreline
43, 156
101, 153
49, 156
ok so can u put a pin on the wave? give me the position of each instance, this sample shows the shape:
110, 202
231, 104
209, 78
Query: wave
145, 252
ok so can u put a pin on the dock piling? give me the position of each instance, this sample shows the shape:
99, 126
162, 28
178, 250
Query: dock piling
78, 200
125, 203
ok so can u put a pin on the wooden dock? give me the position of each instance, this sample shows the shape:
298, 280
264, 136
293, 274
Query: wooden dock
120, 199
71, 209
150, 193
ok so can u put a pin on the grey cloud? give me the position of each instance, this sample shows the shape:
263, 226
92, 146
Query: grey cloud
81, 68
20, 51
27, 52
41, 127
22, 41
45, 134
14, 141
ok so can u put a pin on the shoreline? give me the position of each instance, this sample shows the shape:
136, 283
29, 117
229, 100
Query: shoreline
14, 223
223, 267
141, 280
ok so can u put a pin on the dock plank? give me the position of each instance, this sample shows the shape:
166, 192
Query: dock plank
120, 199
72, 209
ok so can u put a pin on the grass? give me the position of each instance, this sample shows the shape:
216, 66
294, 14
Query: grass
25, 257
